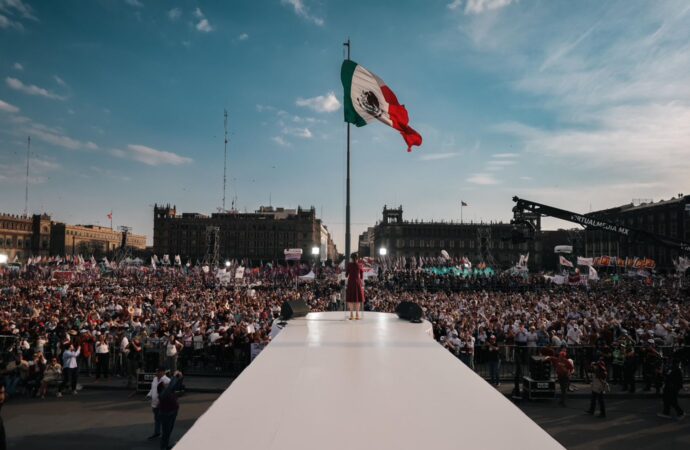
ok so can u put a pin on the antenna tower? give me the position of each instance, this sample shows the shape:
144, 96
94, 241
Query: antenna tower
26, 190
225, 154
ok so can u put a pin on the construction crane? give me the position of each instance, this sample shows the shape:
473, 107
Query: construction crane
526, 212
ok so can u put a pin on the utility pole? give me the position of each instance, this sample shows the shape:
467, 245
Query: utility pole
225, 155
26, 190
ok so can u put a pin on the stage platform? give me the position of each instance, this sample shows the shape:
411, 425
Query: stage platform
379, 383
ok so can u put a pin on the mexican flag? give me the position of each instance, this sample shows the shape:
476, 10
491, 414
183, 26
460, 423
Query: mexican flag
367, 98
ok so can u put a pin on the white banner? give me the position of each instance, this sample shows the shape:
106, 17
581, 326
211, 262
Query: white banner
585, 261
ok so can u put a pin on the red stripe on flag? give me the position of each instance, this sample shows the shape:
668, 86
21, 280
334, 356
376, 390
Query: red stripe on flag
400, 119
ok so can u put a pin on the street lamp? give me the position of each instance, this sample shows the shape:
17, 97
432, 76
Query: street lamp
383, 251
227, 263
315, 251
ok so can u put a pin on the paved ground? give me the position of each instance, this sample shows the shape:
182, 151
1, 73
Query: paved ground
106, 420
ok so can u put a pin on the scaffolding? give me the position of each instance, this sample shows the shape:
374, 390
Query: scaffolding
212, 256
484, 246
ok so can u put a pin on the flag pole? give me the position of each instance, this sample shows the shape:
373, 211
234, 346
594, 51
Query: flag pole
461, 205
347, 182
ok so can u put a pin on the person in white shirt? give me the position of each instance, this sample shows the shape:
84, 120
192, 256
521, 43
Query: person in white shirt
153, 395
102, 357
172, 349
70, 367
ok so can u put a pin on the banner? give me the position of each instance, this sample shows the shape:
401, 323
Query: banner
292, 254
564, 262
585, 261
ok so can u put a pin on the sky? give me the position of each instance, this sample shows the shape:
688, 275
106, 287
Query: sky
581, 105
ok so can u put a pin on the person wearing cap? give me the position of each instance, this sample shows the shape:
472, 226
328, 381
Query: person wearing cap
599, 387
159, 378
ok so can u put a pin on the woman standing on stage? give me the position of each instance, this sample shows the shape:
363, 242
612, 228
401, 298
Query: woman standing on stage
355, 287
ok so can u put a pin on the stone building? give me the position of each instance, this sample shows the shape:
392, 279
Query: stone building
24, 237
668, 218
480, 242
91, 239
263, 235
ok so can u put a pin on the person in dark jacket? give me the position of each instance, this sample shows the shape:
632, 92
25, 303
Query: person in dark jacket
168, 408
673, 383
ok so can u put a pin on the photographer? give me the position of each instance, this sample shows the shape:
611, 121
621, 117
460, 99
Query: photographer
599, 387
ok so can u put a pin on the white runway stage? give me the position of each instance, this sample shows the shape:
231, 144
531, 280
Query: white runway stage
379, 383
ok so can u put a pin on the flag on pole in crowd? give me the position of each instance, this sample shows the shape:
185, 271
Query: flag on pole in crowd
368, 98
166, 260
110, 215
153, 262
682, 264
178, 260
106, 262
462, 203
564, 262
585, 261
16, 258
593, 275
93, 260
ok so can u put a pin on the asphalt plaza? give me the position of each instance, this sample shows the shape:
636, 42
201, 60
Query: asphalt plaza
116, 419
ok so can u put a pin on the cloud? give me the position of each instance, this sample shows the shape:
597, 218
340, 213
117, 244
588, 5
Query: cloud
57, 137
303, 133
59, 81
437, 156
203, 25
301, 10
526, 178
17, 7
174, 14
40, 168
135, 3
17, 66
6, 23
321, 103
280, 141
504, 155
479, 6
31, 89
151, 156
501, 162
243, 37
6, 107
483, 179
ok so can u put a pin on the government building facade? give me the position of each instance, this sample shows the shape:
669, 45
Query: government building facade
490, 242
261, 236
25, 237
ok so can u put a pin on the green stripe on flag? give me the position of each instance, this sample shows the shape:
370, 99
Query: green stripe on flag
346, 72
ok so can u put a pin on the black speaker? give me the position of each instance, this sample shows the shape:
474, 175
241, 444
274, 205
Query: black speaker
539, 368
409, 311
297, 308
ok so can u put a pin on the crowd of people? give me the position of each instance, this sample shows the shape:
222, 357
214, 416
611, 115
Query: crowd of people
101, 324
